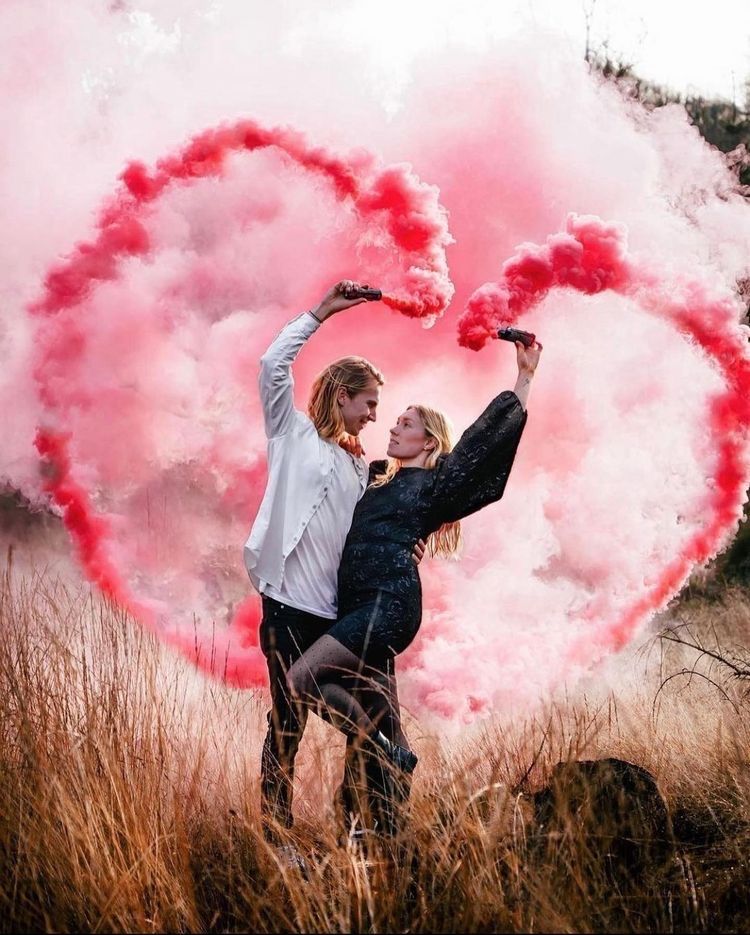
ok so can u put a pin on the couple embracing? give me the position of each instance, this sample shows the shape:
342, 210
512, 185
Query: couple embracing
334, 552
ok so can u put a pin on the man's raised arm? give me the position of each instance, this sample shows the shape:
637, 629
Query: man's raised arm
275, 380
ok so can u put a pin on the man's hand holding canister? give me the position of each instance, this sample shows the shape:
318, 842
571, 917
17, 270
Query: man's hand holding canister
335, 300
527, 359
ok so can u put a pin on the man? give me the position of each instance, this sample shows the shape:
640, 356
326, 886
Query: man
316, 475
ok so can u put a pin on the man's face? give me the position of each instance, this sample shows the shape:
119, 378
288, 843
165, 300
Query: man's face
358, 410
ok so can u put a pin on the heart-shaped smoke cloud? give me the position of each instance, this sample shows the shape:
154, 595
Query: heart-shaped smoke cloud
87, 343
146, 345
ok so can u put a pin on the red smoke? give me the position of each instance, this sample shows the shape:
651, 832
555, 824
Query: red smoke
89, 532
592, 257
137, 371
391, 198
589, 257
387, 200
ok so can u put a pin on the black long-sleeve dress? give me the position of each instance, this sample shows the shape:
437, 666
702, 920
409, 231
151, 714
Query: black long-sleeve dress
379, 591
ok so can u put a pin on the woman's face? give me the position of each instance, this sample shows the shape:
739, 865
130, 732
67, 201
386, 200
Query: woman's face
408, 437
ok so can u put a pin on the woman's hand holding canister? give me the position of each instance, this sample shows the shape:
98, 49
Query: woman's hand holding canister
527, 359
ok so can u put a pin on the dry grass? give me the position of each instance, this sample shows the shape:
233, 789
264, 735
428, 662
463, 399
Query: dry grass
129, 797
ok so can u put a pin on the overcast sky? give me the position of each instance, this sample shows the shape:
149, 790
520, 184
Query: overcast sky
701, 48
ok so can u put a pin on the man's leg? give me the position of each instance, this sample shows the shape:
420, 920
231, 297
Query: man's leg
285, 634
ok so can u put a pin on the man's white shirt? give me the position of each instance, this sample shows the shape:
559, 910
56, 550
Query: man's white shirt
294, 548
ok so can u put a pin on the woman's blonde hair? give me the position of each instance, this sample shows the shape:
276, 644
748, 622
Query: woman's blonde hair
354, 374
445, 541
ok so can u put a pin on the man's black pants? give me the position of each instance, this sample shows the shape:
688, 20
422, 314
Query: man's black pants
370, 794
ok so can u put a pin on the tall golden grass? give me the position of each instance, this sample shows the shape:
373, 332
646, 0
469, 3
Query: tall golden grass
129, 795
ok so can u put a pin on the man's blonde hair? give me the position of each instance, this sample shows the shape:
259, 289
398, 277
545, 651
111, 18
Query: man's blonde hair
354, 374
447, 540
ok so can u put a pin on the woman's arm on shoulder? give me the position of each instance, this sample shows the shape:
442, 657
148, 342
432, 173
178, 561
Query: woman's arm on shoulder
376, 468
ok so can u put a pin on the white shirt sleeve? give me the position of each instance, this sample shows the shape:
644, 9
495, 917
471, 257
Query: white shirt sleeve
275, 380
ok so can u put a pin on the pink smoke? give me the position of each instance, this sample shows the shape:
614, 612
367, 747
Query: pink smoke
136, 371
391, 198
591, 257
386, 200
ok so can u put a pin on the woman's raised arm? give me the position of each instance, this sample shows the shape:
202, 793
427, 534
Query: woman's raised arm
476, 471
527, 359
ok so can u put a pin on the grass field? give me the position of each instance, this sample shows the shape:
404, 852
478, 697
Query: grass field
129, 795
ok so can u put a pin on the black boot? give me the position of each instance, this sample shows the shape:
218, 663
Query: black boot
400, 756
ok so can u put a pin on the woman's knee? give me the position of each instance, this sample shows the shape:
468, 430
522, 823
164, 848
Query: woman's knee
299, 683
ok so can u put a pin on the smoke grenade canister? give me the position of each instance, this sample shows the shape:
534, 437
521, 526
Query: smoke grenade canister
515, 334
372, 295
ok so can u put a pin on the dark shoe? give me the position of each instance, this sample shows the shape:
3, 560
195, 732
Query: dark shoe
401, 757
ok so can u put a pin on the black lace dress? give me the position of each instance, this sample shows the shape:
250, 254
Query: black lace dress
379, 591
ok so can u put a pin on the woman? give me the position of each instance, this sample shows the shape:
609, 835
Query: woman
422, 492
